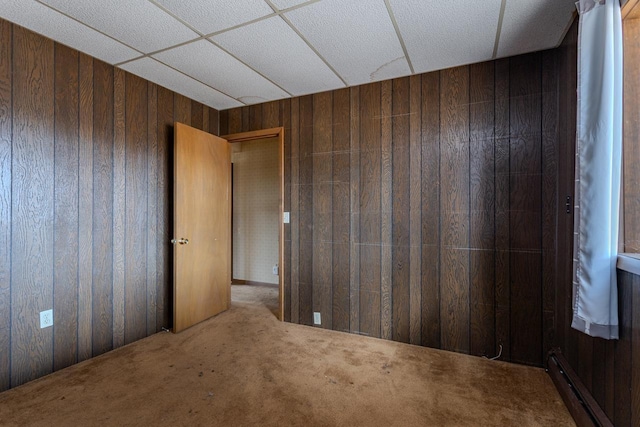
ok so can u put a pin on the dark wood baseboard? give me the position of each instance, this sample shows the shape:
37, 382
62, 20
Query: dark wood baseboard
583, 408
252, 283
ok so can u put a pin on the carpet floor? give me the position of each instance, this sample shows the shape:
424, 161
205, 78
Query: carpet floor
245, 368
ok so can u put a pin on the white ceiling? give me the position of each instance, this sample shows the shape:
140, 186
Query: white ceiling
228, 53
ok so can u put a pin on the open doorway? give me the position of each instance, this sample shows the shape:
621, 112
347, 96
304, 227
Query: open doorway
257, 218
254, 222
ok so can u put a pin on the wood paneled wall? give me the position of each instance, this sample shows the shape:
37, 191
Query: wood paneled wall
85, 162
631, 153
424, 209
609, 369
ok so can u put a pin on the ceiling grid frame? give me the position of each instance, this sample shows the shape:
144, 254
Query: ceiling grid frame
150, 33
313, 48
87, 25
247, 65
515, 20
207, 37
499, 29
184, 74
275, 48
399, 35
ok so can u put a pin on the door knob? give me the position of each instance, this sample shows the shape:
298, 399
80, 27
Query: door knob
182, 241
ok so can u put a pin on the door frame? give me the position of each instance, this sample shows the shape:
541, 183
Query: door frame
277, 132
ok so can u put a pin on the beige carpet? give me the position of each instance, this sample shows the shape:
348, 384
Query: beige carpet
245, 368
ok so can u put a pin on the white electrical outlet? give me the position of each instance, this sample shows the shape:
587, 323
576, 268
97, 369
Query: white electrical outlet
317, 319
286, 218
46, 319
274, 270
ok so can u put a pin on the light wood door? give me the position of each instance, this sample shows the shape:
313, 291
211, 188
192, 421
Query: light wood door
202, 226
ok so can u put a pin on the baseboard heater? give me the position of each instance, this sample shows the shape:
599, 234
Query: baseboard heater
583, 408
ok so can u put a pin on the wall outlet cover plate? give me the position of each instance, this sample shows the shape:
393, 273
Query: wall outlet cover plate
46, 319
317, 319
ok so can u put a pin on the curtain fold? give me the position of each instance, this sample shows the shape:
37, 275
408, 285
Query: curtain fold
598, 168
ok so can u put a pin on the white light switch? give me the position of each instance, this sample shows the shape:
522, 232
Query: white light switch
286, 218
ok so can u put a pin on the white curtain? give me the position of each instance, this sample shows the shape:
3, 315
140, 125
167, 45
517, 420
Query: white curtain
598, 168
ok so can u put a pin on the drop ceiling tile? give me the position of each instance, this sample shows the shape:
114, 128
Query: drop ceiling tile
213, 66
46, 21
285, 4
534, 25
276, 51
156, 72
208, 16
357, 38
137, 23
443, 34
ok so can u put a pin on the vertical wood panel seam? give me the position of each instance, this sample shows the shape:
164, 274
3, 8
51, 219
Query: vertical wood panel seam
149, 184
420, 247
92, 199
146, 234
157, 207
354, 193
113, 209
10, 205
11, 65
350, 239
155, 281
386, 319
390, 199
55, 188
542, 192
122, 207
386, 201
149, 226
294, 113
360, 210
633, 307
93, 207
633, 330
124, 213
146, 204
469, 209
311, 285
413, 206
145, 145
297, 175
495, 209
495, 227
359, 178
441, 323
379, 326
78, 223
333, 155
508, 284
